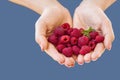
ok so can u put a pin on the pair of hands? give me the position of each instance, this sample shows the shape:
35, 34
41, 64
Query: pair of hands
84, 16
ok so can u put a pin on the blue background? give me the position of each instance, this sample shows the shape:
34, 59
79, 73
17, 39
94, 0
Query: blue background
22, 59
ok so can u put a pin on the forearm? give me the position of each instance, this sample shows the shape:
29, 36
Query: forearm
35, 5
103, 4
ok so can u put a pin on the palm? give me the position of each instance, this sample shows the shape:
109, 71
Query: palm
53, 18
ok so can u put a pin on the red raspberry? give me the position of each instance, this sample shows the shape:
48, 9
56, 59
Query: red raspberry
76, 50
64, 39
92, 44
73, 40
99, 38
68, 45
83, 41
66, 26
60, 47
75, 33
67, 52
59, 31
69, 31
81, 31
53, 39
84, 50
93, 34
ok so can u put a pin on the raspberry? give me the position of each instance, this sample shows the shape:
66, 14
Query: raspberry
68, 45
83, 41
93, 34
64, 39
53, 39
76, 50
69, 41
84, 50
67, 52
81, 31
75, 33
60, 47
69, 31
92, 44
73, 40
66, 26
99, 38
59, 31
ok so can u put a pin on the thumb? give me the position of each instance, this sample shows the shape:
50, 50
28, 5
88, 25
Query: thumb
108, 33
40, 34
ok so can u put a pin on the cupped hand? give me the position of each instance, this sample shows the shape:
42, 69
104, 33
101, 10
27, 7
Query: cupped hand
90, 15
52, 17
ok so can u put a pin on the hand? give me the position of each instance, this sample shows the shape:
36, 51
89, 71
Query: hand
87, 15
52, 16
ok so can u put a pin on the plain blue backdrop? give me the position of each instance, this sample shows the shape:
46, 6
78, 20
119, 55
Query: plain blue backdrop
22, 59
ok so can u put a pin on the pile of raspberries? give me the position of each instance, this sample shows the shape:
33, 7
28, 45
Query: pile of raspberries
72, 41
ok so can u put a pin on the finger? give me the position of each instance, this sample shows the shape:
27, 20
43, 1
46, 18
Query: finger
87, 58
52, 52
98, 51
69, 62
40, 34
108, 33
77, 22
80, 59
74, 57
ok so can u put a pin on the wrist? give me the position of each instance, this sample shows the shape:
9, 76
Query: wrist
36, 5
45, 4
103, 4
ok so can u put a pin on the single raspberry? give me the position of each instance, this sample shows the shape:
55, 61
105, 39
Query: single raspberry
76, 50
81, 31
93, 34
65, 26
53, 39
69, 31
83, 41
67, 52
60, 47
59, 31
92, 44
84, 50
75, 33
65, 39
68, 45
73, 40
99, 38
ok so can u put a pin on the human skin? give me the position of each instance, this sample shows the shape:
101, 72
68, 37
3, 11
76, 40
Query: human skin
90, 13
58, 15
52, 14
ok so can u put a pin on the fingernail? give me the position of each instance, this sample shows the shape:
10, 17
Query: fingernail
94, 59
69, 66
80, 63
41, 47
87, 61
110, 47
60, 63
